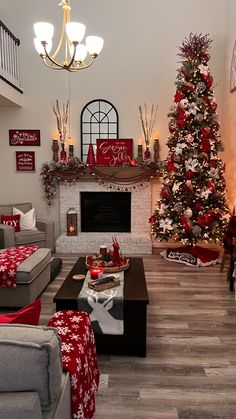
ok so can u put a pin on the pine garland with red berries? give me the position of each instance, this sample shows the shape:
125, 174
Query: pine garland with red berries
193, 204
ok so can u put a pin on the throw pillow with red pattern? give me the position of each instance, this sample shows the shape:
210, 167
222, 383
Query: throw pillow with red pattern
11, 220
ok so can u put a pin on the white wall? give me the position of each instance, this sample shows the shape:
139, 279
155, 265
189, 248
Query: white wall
229, 120
138, 64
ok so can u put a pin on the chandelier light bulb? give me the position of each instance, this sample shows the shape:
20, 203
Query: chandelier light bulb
94, 44
44, 31
80, 53
75, 31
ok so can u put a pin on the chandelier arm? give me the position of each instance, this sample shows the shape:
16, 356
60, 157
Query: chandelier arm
66, 18
81, 67
51, 66
46, 55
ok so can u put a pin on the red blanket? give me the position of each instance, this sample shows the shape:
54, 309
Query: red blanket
79, 359
10, 259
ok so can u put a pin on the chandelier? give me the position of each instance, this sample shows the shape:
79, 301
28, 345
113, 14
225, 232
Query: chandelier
72, 33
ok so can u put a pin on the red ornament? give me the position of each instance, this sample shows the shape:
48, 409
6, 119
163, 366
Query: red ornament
178, 96
90, 157
171, 166
165, 194
189, 174
133, 163
208, 219
186, 224
198, 206
206, 132
188, 86
211, 186
201, 220
153, 219
205, 146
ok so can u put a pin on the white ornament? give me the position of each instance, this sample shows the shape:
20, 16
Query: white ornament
184, 104
205, 193
203, 69
191, 164
163, 209
179, 148
176, 186
188, 213
166, 224
193, 108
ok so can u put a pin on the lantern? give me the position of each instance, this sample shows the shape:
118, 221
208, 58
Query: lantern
71, 216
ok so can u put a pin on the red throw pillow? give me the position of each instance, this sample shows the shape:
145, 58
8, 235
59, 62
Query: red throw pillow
11, 220
26, 315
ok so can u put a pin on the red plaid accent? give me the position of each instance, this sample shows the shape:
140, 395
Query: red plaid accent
10, 259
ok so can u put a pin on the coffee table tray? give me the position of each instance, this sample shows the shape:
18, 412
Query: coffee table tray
93, 261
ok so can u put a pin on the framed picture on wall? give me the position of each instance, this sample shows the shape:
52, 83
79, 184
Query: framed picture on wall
25, 161
24, 137
233, 70
117, 152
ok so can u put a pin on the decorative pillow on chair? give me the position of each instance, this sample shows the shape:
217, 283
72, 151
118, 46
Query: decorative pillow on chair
11, 220
26, 315
27, 220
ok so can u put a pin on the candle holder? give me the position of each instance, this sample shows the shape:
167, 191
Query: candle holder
140, 153
156, 148
71, 151
96, 273
55, 149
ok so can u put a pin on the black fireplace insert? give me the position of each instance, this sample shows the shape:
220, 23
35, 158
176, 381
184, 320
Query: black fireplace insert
105, 212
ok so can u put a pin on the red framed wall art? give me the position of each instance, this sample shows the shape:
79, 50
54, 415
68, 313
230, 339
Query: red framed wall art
25, 161
117, 152
24, 137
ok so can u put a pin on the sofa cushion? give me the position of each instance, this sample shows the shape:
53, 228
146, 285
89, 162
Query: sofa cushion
12, 221
22, 405
29, 236
27, 315
27, 220
32, 266
30, 359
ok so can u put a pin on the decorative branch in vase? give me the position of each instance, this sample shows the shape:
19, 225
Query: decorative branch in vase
148, 123
62, 120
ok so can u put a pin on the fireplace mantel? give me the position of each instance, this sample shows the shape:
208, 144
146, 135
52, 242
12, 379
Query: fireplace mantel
113, 174
118, 178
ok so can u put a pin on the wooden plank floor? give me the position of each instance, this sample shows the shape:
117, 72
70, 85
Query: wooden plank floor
190, 368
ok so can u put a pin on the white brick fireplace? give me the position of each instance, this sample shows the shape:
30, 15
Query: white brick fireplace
137, 242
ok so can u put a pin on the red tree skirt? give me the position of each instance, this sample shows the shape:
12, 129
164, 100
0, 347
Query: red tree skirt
191, 255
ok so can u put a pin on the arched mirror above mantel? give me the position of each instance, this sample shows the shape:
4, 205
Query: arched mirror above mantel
99, 119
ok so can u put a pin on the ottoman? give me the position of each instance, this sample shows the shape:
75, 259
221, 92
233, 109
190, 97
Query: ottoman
32, 276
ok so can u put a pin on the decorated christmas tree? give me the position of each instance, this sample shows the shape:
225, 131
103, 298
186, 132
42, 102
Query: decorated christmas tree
193, 204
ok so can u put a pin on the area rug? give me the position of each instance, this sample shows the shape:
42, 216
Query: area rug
191, 255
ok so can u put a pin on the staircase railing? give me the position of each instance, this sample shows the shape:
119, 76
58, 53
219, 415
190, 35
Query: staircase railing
9, 63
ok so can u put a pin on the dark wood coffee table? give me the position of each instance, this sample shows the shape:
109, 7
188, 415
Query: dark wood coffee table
133, 341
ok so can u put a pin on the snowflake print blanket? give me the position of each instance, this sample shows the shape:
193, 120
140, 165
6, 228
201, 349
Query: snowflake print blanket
10, 259
79, 358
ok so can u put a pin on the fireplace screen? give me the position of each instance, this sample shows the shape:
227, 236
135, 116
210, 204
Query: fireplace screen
106, 212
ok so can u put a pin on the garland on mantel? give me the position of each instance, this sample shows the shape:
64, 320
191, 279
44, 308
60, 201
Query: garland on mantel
54, 172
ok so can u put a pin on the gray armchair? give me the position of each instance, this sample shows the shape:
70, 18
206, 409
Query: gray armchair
43, 237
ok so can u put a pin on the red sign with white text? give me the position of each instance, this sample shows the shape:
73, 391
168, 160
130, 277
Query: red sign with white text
24, 137
25, 161
114, 152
